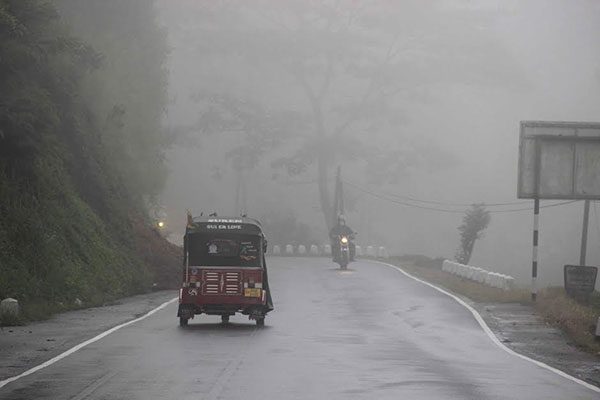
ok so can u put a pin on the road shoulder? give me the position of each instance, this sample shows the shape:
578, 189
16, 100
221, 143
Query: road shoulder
520, 328
23, 347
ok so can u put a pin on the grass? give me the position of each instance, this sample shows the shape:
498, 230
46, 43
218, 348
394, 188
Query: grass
576, 320
473, 290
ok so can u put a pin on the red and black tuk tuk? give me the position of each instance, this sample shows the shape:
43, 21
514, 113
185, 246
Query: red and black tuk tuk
224, 269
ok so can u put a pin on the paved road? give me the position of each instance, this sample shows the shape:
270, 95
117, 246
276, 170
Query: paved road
368, 333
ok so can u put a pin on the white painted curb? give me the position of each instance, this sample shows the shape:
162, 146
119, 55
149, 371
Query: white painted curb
491, 334
476, 274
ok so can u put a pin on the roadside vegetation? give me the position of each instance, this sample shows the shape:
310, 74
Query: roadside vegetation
576, 320
82, 94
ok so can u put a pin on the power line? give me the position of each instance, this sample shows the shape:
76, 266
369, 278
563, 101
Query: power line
441, 203
562, 203
445, 210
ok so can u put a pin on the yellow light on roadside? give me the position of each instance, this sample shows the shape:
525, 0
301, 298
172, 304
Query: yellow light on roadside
161, 224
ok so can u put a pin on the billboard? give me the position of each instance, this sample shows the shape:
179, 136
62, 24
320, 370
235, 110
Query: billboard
559, 160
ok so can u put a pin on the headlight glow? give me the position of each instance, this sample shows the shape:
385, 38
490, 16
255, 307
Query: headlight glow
344, 239
161, 224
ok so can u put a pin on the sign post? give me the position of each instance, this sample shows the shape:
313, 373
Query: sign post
584, 232
534, 257
558, 161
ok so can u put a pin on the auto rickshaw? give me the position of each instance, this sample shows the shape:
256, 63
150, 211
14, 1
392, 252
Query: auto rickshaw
224, 270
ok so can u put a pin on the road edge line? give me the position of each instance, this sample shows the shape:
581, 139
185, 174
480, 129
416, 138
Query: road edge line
84, 344
490, 333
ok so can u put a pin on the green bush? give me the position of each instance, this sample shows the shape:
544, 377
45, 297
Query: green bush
77, 159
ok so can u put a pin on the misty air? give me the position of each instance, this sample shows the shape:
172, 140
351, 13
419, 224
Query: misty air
328, 199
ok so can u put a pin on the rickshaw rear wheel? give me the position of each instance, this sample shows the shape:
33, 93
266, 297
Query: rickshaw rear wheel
260, 321
183, 321
224, 319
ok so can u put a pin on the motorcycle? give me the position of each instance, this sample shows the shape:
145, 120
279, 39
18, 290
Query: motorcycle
344, 253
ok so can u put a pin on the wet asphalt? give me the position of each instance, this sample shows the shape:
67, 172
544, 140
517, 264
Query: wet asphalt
366, 333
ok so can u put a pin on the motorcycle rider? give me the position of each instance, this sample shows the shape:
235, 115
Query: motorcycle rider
341, 229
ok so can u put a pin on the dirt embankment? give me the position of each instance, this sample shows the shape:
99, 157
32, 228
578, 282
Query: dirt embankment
163, 258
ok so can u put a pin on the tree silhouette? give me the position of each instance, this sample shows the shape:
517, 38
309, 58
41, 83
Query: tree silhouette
475, 221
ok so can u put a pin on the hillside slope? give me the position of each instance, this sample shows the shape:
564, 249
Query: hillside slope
81, 151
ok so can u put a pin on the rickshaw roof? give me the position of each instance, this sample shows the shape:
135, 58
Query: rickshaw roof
242, 225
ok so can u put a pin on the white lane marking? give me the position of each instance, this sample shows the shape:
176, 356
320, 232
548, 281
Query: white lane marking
491, 334
83, 344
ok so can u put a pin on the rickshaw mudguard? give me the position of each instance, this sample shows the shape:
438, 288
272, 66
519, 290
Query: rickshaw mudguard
269, 305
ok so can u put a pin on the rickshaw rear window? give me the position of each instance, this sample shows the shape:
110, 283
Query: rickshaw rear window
224, 250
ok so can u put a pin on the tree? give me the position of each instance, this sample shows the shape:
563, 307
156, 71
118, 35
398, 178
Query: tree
68, 201
475, 221
354, 67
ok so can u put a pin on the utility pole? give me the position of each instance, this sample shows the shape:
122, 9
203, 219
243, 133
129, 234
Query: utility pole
338, 196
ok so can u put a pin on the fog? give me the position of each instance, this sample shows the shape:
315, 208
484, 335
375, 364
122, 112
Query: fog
419, 99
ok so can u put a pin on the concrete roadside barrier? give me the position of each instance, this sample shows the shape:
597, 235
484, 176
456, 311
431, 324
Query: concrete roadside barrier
371, 251
452, 268
488, 279
302, 250
493, 279
314, 250
289, 250
480, 275
327, 250
382, 253
358, 251
9, 308
276, 250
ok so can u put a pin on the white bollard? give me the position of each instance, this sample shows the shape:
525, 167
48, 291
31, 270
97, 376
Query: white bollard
493, 279
289, 250
480, 277
453, 268
302, 250
371, 251
382, 253
509, 283
276, 250
488, 279
445, 266
9, 307
358, 251
470, 272
314, 250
